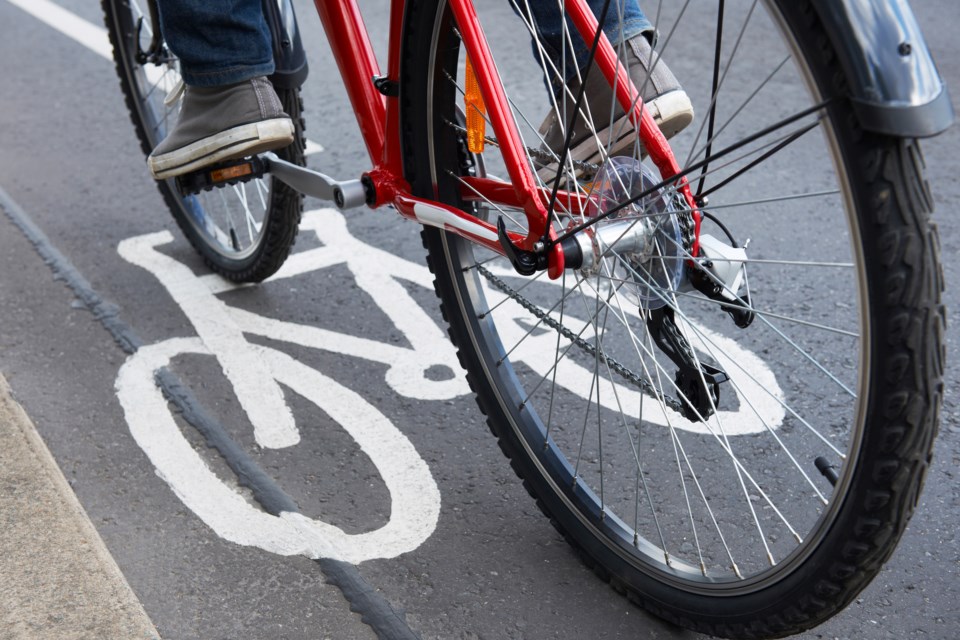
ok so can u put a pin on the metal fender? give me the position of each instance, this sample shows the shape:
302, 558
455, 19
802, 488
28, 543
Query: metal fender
894, 84
288, 53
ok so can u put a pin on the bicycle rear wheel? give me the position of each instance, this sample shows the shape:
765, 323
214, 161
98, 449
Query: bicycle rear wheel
713, 504
244, 231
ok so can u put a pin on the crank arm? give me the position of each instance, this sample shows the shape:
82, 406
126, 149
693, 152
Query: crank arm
346, 194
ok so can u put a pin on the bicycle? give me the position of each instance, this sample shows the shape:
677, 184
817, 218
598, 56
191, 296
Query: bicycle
593, 307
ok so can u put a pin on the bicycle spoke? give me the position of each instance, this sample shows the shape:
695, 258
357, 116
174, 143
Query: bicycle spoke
741, 171
226, 225
691, 168
665, 408
709, 343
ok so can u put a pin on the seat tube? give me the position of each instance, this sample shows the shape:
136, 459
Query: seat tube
498, 108
358, 65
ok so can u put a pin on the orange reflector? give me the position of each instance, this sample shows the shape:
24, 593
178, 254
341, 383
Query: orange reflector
229, 173
476, 110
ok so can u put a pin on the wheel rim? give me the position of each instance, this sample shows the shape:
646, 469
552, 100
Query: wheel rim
229, 221
702, 506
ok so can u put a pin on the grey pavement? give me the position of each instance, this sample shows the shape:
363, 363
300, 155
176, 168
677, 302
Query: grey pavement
57, 579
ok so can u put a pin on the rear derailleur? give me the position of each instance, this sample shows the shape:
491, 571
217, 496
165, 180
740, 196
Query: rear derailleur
698, 383
718, 273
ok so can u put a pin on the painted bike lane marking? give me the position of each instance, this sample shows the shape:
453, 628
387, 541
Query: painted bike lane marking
256, 373
91, 36
363, 597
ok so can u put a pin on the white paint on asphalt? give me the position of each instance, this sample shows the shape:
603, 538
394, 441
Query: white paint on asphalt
260, 397
415, 498
93, 37
256, 373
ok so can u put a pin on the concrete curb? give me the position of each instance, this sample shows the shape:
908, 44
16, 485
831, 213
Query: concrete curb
57, 578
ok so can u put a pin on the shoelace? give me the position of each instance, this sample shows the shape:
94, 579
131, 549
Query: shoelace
175, 93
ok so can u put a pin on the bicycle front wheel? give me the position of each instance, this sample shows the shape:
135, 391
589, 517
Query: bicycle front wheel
740, 459
245, 231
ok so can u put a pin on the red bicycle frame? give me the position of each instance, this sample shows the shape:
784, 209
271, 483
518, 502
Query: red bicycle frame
379, 116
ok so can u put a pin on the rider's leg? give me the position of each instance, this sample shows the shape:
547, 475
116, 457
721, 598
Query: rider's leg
631, 34
624, 19
229, 107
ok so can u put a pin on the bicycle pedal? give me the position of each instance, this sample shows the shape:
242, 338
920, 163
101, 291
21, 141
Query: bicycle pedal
221, 175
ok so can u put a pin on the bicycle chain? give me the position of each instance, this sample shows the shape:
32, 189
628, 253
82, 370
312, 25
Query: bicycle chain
615, 365
688, 228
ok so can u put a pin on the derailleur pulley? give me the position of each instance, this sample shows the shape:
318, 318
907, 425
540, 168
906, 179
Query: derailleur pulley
698, 383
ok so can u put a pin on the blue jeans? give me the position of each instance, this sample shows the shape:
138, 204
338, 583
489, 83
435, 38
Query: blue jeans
218, 42
227, 41
624, 19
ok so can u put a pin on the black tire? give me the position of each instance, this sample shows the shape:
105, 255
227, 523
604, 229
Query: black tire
240, 252
884, 428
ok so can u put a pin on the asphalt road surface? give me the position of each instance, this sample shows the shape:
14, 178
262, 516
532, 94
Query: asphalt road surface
493, 567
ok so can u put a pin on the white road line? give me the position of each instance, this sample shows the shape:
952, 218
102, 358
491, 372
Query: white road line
92, 36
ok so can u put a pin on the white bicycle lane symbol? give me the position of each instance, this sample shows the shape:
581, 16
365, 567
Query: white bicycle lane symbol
256, 373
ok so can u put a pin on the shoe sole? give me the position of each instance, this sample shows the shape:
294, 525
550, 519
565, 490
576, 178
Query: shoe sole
238, 142
675, 103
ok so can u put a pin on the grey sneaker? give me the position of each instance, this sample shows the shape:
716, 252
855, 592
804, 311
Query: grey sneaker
662, 95
222, 123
